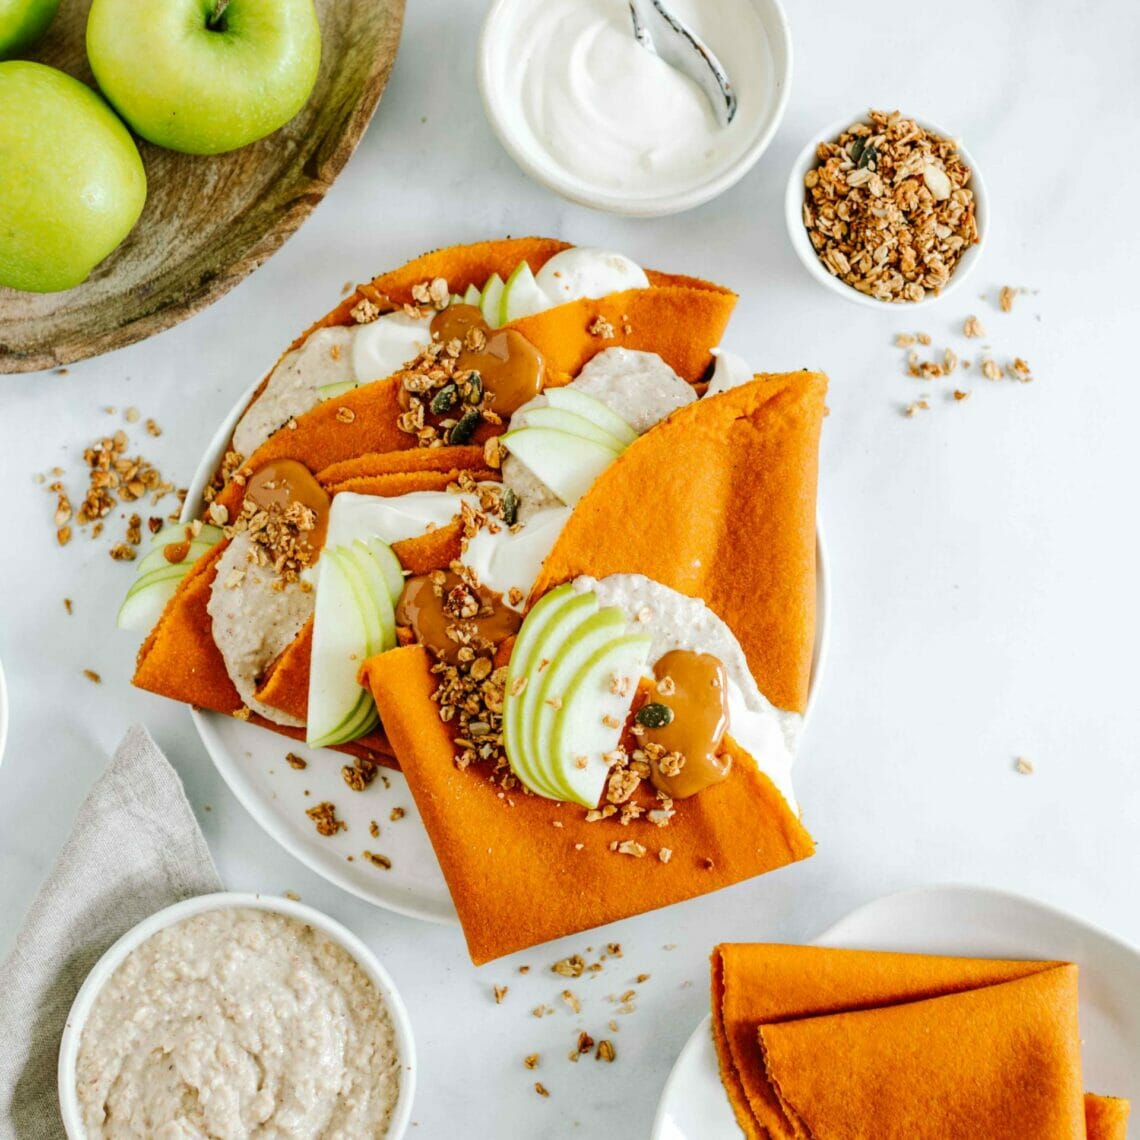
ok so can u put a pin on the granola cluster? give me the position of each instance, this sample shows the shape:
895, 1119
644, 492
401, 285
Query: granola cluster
279, 537
113, 479
889, 209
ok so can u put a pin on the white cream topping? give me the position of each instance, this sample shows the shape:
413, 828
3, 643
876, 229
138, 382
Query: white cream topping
582, 271
254, 622
729, 371
674, 621
238, 1023
602, 114
383, 346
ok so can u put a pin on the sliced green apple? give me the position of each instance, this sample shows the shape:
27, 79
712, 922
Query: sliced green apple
571, 400
521, 670
584, 725
390, 568
346, 631
489, 302
156, 559
567, 464
573, 424
147, 598
473, 296
580, 641
379, 594
332, 391
521, 296
184, 532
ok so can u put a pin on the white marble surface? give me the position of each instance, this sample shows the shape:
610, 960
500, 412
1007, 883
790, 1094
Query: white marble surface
983, 554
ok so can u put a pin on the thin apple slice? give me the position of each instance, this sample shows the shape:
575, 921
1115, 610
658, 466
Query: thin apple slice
156, 559
363, 580
144, 604
573, 424
340, 646
331, 391
489, 302
379, 595
591, 706
473, 296
525, 658
390, 567
567, 464
571, 400
521, 296
184, 532
577, 646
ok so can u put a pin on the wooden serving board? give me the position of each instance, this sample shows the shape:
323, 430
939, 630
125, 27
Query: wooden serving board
208, 221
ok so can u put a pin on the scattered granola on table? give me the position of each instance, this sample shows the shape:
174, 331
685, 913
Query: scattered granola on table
889, 209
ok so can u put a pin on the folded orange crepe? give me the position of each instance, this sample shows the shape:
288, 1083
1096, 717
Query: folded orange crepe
678, 317
718, 502
821, 1044
523, 870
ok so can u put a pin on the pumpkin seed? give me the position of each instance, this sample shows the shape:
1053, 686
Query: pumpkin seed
655, 715
868, 155
509, 506
856, 150
475, 389
444, 400
465, 429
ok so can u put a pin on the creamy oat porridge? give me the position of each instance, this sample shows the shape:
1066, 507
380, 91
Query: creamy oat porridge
238, 1023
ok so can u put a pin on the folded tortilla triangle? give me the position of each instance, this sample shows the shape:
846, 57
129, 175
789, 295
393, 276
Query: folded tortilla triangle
822, 1044
524, 870
718, 502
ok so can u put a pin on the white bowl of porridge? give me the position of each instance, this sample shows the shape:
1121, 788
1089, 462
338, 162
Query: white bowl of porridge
237, 1015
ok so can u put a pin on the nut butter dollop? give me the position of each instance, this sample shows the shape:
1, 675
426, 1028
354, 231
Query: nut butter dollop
510, 366
281, 484
688, 717
446, 613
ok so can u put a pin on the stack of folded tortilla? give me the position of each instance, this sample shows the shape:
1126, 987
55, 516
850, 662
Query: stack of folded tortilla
821, 1044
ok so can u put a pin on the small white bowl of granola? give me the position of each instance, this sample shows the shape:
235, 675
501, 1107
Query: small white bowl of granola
237, 1014
886, 209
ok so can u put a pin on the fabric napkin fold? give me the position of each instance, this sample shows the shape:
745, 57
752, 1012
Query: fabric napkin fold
135, 848
822, 1044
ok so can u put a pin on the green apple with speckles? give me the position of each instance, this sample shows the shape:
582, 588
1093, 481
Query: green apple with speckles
72, 183
204, 76
22, 22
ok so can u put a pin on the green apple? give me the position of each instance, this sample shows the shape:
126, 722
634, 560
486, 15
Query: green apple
578, 645
472, 297
22, 22
590, 708
157, 579
522, 667
572, 400
491, 295
572, 424
521, 296
72, 182
567, 464
204, 76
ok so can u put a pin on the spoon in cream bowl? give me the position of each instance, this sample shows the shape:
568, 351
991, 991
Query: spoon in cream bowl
658, 30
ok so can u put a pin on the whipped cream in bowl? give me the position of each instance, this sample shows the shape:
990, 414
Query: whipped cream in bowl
237, 1015
588, 112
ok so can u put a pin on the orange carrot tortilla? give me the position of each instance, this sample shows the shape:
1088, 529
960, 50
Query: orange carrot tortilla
831, 1044
518, 880
1106, 1117
718, 502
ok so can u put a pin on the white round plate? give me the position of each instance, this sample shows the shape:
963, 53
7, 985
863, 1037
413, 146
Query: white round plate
230, 900
252, 762
958, 920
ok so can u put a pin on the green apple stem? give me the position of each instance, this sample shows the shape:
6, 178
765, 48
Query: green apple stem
216, 16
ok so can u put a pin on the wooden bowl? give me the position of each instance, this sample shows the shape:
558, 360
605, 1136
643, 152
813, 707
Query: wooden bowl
208, 221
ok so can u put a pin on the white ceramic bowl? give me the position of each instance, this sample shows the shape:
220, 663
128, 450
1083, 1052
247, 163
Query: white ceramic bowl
228, 900
801, 243
491, 67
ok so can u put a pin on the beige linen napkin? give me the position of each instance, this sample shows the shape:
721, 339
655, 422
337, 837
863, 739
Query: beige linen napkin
134, 849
